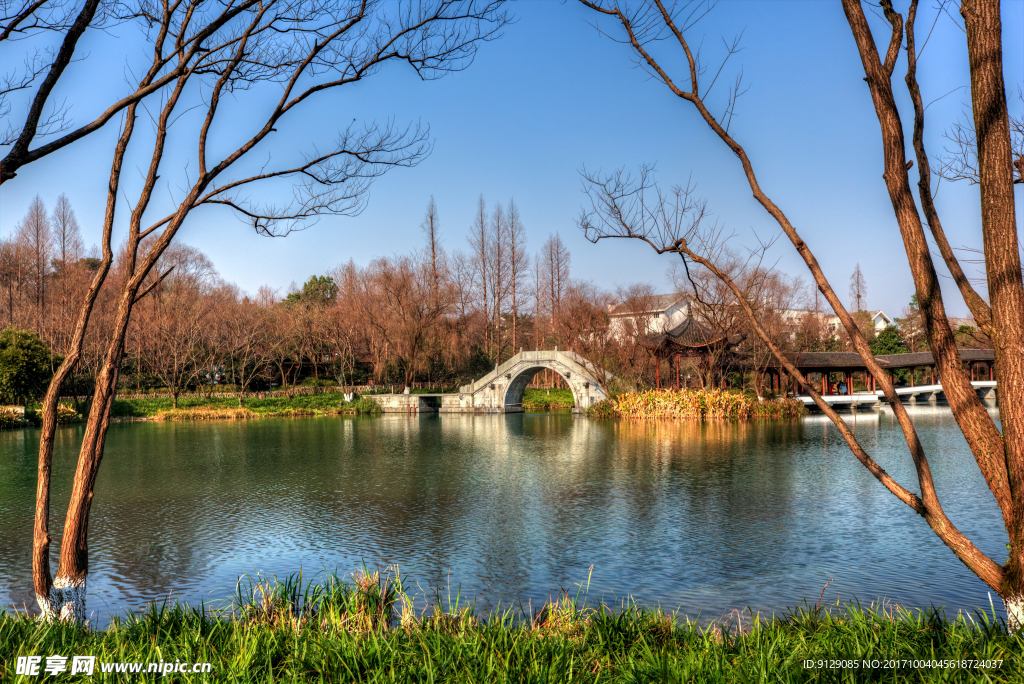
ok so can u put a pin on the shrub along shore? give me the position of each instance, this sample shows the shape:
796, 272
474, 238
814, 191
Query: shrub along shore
696, 404
365, 631
683, 404
227, 408
328, 403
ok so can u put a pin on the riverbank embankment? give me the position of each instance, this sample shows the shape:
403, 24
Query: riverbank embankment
365, 631
696, 404
685, 404
161, 408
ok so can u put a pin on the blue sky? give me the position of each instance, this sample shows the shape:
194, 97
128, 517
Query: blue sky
553, 95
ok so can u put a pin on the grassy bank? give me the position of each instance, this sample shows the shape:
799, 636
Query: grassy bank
198, 408
543, 399
696, 405
357, 632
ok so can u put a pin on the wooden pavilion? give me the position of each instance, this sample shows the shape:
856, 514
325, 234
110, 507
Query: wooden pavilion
689, 340
846, 364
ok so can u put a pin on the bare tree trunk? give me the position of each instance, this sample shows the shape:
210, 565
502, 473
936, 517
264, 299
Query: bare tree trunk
69, 586
64, 598
995, 453
1003, 267
1000, 460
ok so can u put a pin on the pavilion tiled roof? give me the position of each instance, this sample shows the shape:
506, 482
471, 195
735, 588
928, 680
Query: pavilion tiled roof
690, 333
853, 360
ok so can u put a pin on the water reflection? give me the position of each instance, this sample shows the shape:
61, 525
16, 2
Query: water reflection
700, 517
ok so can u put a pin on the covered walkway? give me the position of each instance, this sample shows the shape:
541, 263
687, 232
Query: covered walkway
835, 373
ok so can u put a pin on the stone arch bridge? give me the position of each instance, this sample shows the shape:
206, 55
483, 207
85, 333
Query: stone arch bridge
501, 390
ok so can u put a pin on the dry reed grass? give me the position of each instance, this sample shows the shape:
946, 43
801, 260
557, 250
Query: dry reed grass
206, 414
699, 404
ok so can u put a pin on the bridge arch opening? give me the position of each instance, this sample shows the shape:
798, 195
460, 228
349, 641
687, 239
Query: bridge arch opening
517, 386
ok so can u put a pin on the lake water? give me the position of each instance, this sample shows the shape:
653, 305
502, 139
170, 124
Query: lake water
700, 518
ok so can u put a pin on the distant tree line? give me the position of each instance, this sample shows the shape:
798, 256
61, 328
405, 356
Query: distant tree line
432, 316
435, 316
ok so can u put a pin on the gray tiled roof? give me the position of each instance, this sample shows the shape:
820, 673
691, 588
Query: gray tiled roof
853, 360
689, 333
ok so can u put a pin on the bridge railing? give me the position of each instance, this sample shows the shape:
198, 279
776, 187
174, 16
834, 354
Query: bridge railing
569, 358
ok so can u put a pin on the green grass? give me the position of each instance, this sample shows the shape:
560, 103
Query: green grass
534, 399
364, 631
311, 404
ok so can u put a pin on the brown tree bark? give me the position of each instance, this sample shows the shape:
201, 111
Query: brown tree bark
971, 415
997, 458
1002, 263
67, 600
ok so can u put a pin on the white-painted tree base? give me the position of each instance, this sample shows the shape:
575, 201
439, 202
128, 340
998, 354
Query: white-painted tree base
1014, 612
66, 601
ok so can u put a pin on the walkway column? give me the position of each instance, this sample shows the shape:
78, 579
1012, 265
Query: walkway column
912, 376
677, 371
657, 373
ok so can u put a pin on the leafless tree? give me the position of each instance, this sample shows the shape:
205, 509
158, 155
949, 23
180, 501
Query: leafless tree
407, 311
555, 259
49, 125
538, 297
244, 343
10, 271
178, 311
67, 235
858, 289
298, 49
68, 250
432, 231
283, 346
961, 162
497, 258
479, 243
1000, 457
35, 239
583, 329
518, 266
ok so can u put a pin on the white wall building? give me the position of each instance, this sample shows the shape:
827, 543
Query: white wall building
657, 314
649, 315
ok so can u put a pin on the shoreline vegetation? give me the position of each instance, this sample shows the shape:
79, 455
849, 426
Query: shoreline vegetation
684, 404
696, 404
366, 630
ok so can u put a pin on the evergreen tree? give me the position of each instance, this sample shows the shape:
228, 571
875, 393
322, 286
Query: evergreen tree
24, 366
320, 290
888, 341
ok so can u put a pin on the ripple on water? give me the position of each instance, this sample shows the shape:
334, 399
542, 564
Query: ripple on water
704, 519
